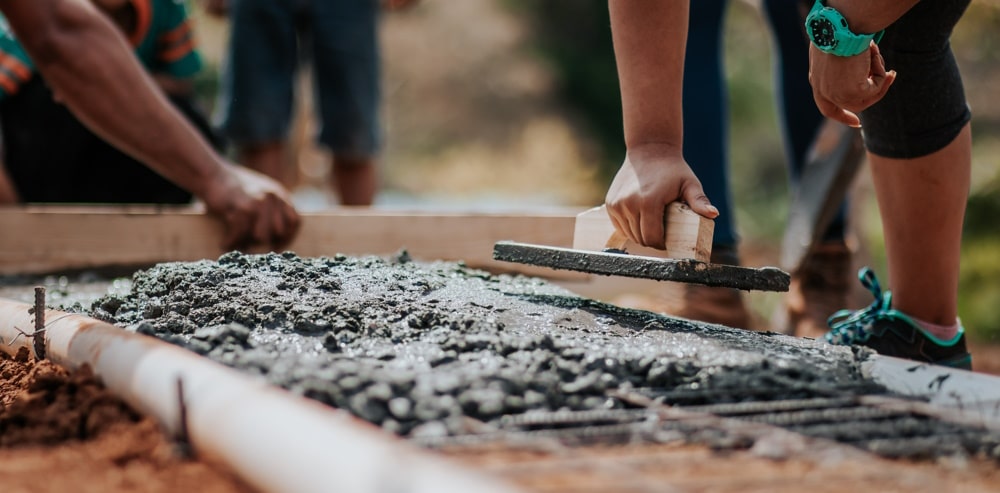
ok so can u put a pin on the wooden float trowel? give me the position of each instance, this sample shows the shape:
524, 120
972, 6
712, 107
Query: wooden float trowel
598, 248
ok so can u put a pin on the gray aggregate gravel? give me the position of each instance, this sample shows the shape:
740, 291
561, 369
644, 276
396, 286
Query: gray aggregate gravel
428, 349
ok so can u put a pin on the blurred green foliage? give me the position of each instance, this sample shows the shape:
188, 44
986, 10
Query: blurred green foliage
979, 300
574, 37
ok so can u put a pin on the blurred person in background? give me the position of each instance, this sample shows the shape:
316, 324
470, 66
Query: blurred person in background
88, 65
270, 40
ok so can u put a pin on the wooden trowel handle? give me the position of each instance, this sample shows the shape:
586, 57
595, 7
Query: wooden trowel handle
687, 234
618, 241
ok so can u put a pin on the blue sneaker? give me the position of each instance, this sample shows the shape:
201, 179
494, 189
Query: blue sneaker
893, 333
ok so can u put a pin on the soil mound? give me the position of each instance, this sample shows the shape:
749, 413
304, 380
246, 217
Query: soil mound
62, 431
43, 404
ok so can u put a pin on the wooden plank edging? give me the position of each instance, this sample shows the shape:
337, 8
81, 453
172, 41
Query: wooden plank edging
42, 239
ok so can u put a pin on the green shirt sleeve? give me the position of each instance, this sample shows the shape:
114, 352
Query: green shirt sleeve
15, 66
177, 53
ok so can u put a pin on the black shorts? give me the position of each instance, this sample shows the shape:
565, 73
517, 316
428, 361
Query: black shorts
51, 157
925, 108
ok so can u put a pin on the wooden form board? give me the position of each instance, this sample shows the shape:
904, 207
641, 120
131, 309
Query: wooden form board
42, 239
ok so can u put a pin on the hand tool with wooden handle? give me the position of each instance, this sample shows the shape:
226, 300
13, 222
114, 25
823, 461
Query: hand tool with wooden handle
598, 248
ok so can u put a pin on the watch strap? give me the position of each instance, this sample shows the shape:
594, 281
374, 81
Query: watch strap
847, 42
850, 44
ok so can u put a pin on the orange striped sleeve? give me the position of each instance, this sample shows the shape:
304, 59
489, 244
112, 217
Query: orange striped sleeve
144, 18
14, 66
176, 34
9, 86
177, 52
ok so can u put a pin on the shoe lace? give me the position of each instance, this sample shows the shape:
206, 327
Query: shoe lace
853, 326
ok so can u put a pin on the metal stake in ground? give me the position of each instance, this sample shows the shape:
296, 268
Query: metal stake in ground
182, 439
38, 337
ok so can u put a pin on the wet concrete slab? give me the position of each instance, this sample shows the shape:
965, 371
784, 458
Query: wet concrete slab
437, 347
437, 350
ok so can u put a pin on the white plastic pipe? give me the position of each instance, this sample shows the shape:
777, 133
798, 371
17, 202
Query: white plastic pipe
274, 440
974, 395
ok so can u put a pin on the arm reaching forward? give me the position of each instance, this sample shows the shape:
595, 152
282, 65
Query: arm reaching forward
92, 70
649, 40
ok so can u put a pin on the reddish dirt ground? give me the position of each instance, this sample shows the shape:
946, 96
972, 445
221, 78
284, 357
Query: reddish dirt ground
985, 358
64, 432
690, 468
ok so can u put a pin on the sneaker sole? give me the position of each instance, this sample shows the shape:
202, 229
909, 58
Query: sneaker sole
961, 362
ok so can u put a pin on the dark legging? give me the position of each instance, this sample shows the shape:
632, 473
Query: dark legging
925, 108
706, 114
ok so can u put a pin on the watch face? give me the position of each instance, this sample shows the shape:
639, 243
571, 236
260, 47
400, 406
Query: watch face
822, 32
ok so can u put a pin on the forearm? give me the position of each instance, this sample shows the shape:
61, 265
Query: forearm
107, 89
649, 40
871, 16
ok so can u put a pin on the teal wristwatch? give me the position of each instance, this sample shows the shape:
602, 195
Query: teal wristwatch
828, 31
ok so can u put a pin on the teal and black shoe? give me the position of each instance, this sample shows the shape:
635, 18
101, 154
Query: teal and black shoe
893, 333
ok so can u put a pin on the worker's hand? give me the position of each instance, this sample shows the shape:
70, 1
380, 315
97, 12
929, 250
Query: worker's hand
256, 209
651, 177
218, 8
845, 86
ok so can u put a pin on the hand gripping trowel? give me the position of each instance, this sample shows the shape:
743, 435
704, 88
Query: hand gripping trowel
598, 248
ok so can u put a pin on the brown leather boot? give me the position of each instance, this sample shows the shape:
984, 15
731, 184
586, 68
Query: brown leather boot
817, 290
723, 306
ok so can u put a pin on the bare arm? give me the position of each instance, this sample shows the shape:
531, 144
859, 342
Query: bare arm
91, 68
649, 40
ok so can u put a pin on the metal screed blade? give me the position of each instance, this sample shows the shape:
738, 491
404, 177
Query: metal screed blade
614, 264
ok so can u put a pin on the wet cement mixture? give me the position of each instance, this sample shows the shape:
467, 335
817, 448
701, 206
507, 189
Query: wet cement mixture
65, 432
429, 350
